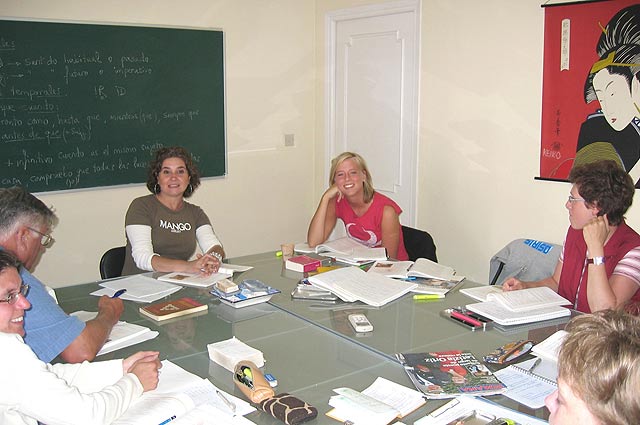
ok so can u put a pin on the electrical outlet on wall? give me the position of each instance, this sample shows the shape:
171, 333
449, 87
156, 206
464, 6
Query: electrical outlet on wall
289, 140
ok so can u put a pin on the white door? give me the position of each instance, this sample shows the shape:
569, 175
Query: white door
372, 92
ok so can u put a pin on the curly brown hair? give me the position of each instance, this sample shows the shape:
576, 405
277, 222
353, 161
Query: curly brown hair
606, 186
173, 152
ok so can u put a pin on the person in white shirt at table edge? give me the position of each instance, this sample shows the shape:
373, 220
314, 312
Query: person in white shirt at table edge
33, 391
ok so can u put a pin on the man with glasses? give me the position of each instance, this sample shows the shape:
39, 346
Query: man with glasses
25, 226
599, 267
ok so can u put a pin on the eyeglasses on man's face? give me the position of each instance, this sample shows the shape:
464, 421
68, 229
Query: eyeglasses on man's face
572, 199
13, 297
45, 240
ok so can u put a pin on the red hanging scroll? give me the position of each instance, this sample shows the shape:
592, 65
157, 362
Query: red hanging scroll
591, 91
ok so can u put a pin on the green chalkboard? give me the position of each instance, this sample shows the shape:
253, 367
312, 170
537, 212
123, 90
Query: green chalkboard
84, 105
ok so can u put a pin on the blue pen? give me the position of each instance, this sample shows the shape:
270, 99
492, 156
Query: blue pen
118, 293
168, 420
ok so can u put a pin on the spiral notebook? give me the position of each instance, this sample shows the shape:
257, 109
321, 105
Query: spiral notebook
524, 386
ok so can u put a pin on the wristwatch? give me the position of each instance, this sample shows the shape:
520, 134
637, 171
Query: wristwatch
596, 261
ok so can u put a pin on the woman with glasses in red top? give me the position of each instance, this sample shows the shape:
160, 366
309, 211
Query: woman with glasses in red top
599, 267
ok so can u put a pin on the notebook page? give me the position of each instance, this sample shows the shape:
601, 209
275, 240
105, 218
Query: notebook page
525, 387
403, 399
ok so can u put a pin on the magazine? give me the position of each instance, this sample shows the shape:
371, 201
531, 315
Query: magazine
434, 286
422, 267
447, 374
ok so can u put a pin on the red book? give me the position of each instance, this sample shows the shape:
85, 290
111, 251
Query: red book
302, 263
169, 309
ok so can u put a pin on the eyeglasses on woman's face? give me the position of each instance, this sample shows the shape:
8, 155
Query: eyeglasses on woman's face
573, 199
45, 239
13, 297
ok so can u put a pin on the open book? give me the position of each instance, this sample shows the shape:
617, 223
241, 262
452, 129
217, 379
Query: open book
353, 284
198, 280
422, 267
122, 335
348, 249
380, 403
550, 347
503, 316
524, 306
525, 299
474, 410
178, 393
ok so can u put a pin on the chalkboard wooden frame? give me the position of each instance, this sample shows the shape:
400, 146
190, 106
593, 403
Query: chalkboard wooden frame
84, 105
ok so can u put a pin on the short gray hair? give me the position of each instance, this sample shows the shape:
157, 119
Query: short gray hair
18, 206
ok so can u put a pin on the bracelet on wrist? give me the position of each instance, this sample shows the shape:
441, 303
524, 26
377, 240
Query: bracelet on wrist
217, 255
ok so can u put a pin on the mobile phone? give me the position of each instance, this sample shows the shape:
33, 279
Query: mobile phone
360, 323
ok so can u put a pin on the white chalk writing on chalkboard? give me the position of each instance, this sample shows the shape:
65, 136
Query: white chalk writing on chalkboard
85, 105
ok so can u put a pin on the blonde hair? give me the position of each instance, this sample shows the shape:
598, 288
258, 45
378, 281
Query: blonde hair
600, 361
368, 181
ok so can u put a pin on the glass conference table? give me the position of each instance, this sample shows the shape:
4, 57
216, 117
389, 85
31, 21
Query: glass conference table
309, 346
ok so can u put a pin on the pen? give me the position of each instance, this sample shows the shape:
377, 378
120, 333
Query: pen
427, 296
466, 318
535, 364
464, 323
229, 404
118, 293
475, 316
167, 420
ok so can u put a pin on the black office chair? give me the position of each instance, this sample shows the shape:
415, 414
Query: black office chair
112, 262
419, 244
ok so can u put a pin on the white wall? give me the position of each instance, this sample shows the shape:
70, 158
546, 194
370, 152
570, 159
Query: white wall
266, 198
481, 85
480, 108
480, 132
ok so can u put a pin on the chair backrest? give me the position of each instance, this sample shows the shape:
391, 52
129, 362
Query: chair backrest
419, 244
112, 262
525, 259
